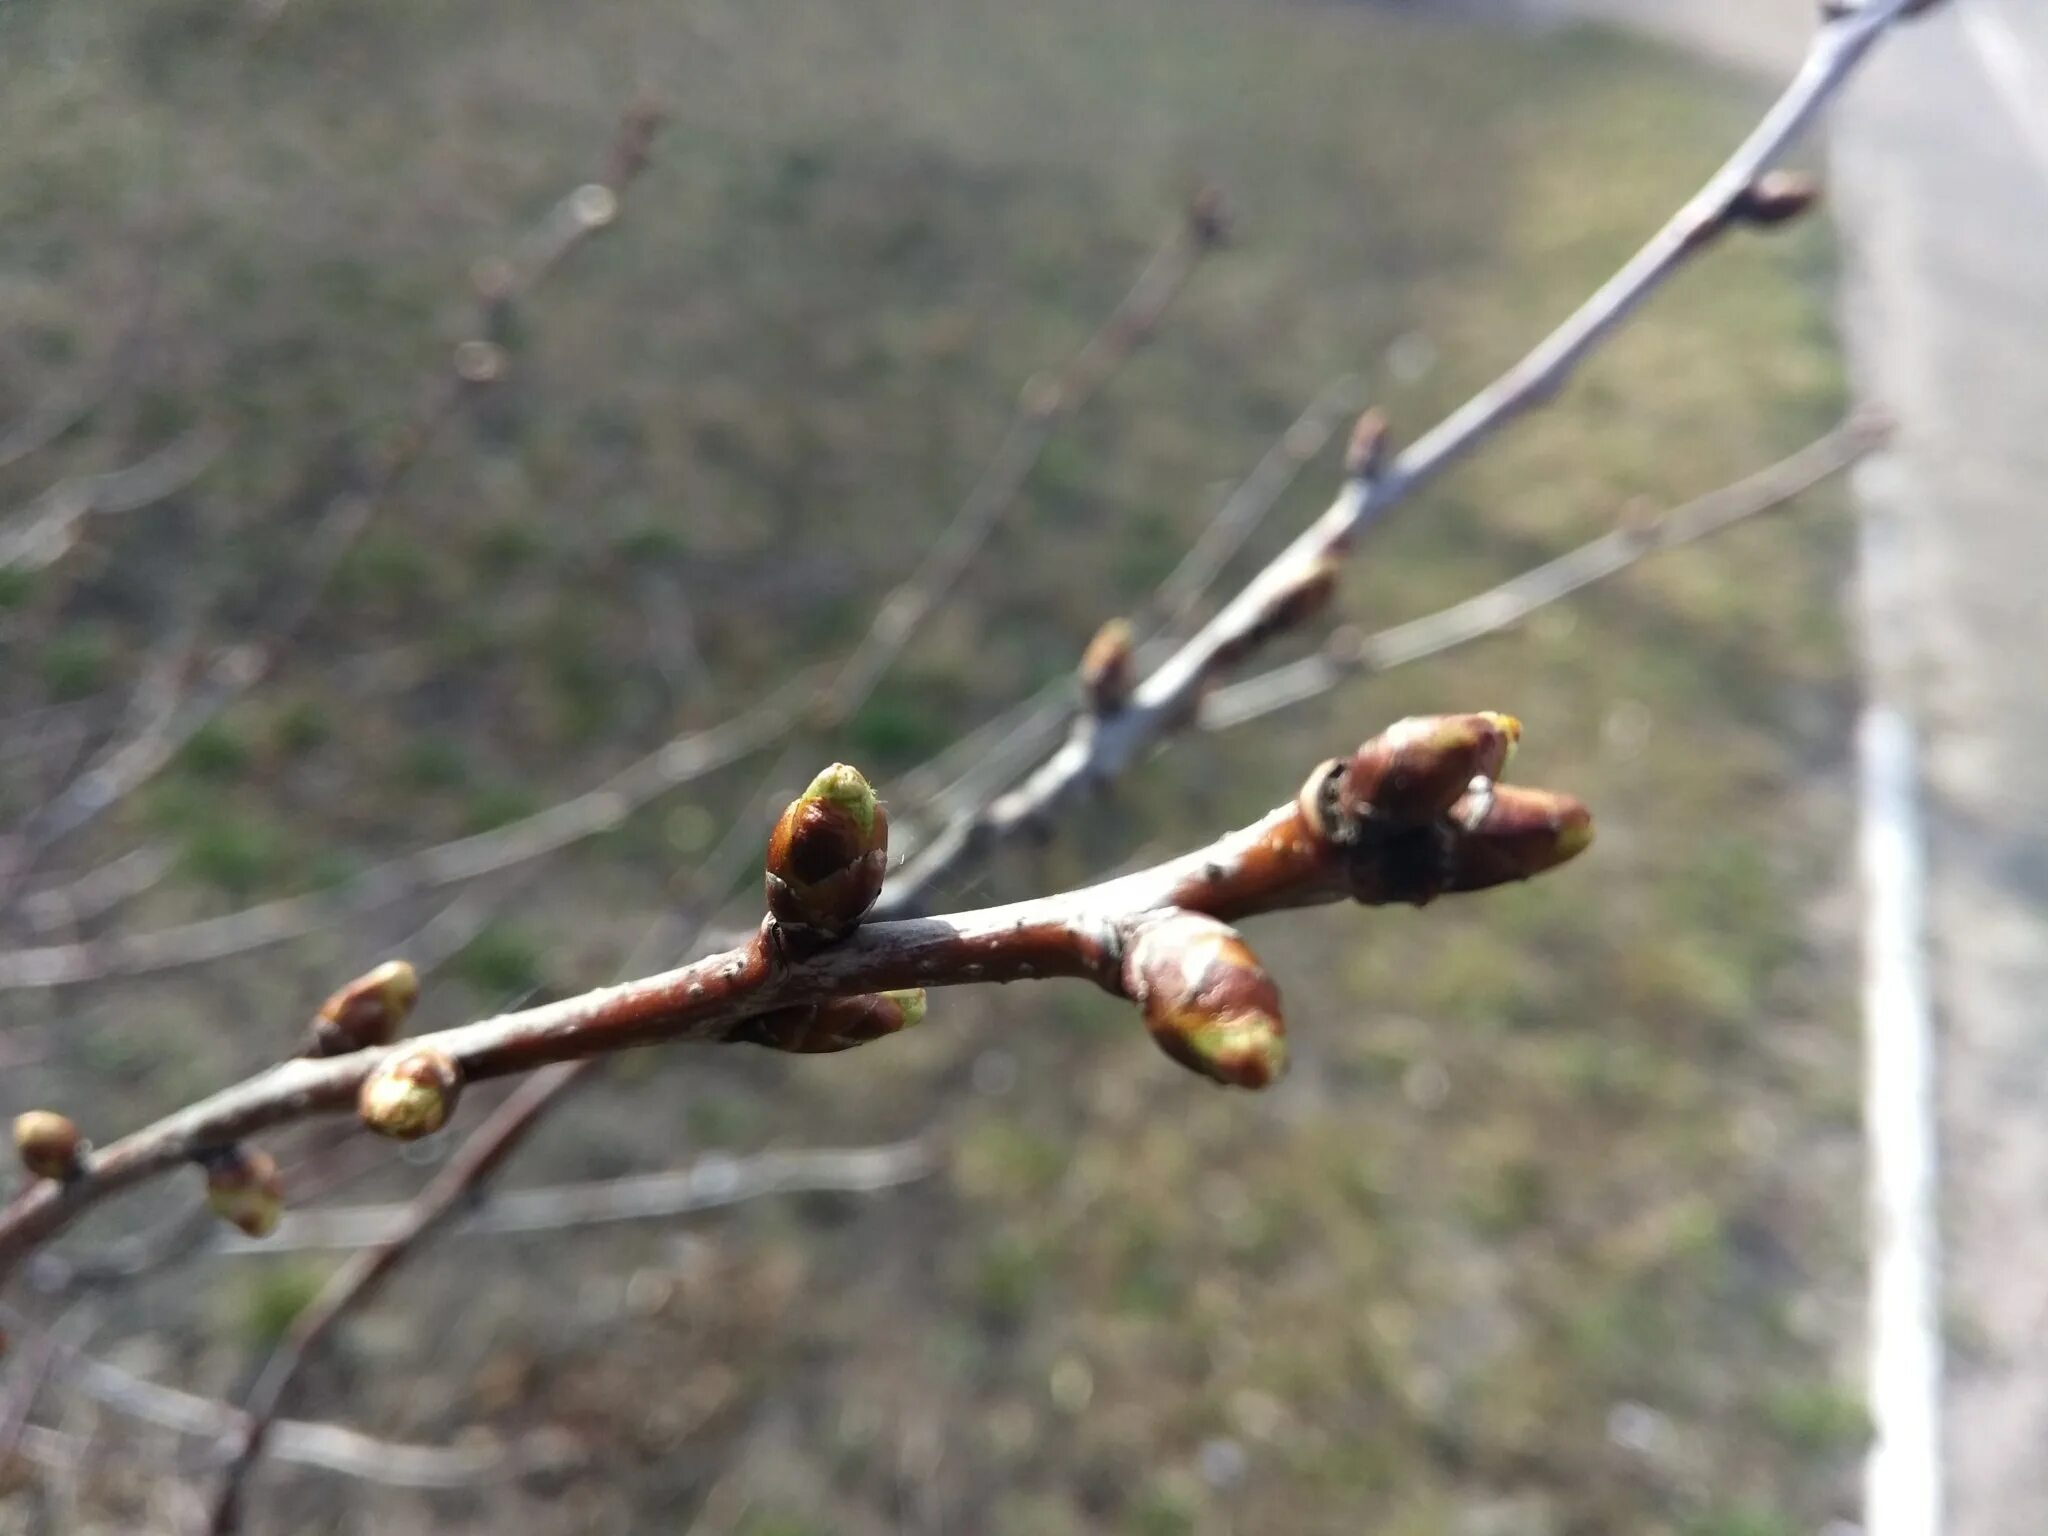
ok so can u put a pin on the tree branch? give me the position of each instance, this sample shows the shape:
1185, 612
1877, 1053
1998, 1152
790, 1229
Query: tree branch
855, 679
708, 1183
1301, 854
1513, 600
1101, 747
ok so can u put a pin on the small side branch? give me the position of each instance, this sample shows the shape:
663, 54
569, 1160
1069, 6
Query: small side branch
1503, 606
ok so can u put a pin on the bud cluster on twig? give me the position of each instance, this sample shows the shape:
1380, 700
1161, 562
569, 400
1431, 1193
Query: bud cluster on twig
1412, 814
1415, 812
1422, 812
827, 858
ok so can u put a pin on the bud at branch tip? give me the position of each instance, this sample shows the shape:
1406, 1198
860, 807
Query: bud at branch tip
828, 854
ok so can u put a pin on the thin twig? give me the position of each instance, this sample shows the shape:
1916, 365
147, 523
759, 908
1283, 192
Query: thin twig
1289, 859
67, 903
1247, 506
972, 770
55, 417
679, 761
327, 1446
444, 1195
1045, 405
1513, 600
475, 365
709, 1183
42, 532
1101, 747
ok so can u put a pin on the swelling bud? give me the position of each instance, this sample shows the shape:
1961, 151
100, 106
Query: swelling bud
1206, 1000
828, 854
410, 1095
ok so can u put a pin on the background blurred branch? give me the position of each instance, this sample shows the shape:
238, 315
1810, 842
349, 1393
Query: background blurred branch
474, 365
1350, 654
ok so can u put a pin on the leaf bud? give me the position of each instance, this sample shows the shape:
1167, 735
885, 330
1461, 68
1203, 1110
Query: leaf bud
49, 1144
410, 1094
244, 1188
838, 1024
1417, 768
368, 1011
1206, 1000
829, 854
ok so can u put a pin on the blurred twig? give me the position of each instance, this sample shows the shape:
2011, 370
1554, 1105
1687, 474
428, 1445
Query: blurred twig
42, 532
327, 1446
1045, 405
472, 1163
474, 365
706, 1184
676, 762
53, 418
1513, 600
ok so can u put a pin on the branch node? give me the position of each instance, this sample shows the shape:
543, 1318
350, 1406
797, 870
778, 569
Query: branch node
1774, 198
1366, 454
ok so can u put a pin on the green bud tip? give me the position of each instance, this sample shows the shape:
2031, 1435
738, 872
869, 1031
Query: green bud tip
910, 1003
846, 787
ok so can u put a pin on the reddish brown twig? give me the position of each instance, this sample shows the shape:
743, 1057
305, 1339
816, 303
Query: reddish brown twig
1288, 859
